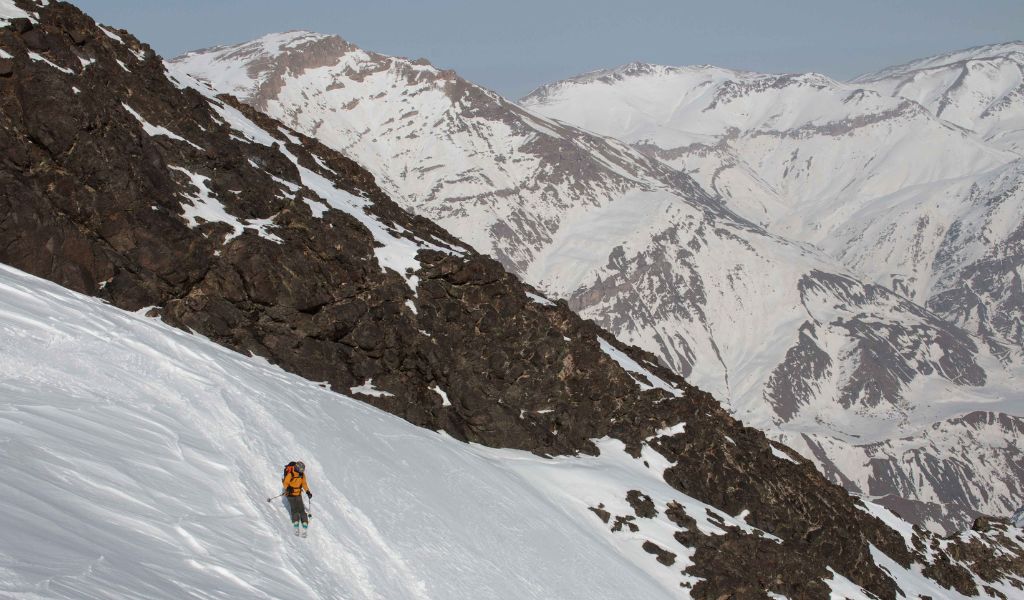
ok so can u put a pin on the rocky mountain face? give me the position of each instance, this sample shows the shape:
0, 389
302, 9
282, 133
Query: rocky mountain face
119, 181
794, 341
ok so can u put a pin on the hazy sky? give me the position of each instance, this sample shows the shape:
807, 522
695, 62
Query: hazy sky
514, 46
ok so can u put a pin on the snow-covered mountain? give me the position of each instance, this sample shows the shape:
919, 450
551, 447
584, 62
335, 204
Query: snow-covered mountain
781, 330
143, 453
980, 89
900, 175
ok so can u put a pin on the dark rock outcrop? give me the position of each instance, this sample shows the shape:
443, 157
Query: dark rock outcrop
664, 556
642, 504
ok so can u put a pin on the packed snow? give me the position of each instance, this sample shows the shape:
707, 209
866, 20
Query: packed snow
9, 10
844, 589
152, 454
110, 34
780, 454
539, 299
43, 59
368, 389
445, 401
634, 368
205, 205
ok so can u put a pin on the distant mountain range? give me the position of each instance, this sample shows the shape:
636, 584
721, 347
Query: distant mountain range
911, 177
834, 262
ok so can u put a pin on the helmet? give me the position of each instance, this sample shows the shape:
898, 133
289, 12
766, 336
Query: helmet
300, 466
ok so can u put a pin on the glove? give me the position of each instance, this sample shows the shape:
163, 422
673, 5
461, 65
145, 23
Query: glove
309, 494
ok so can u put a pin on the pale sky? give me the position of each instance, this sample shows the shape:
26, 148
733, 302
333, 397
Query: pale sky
513, 47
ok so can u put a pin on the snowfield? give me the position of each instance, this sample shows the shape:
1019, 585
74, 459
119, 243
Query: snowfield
140, 458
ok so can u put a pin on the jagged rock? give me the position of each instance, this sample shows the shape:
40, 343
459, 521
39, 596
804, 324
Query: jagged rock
627, 522
664, 556
601, 513
20, 25
642, 504
982, 524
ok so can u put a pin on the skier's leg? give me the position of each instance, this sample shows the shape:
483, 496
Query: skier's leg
296, 508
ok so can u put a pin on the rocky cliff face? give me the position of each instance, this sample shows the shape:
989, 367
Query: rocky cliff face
793, 341
149, 192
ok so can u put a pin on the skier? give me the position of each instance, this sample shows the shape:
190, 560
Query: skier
294, 482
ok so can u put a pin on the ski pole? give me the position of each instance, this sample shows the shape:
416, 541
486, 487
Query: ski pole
309, 512
279, 495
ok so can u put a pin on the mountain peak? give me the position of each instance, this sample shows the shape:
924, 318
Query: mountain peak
270, 45
1013, 51
697, 74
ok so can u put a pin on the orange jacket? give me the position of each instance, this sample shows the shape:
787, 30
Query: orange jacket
294, 482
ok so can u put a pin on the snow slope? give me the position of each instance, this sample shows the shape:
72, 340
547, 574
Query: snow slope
980, 89
911, 177
145, 455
